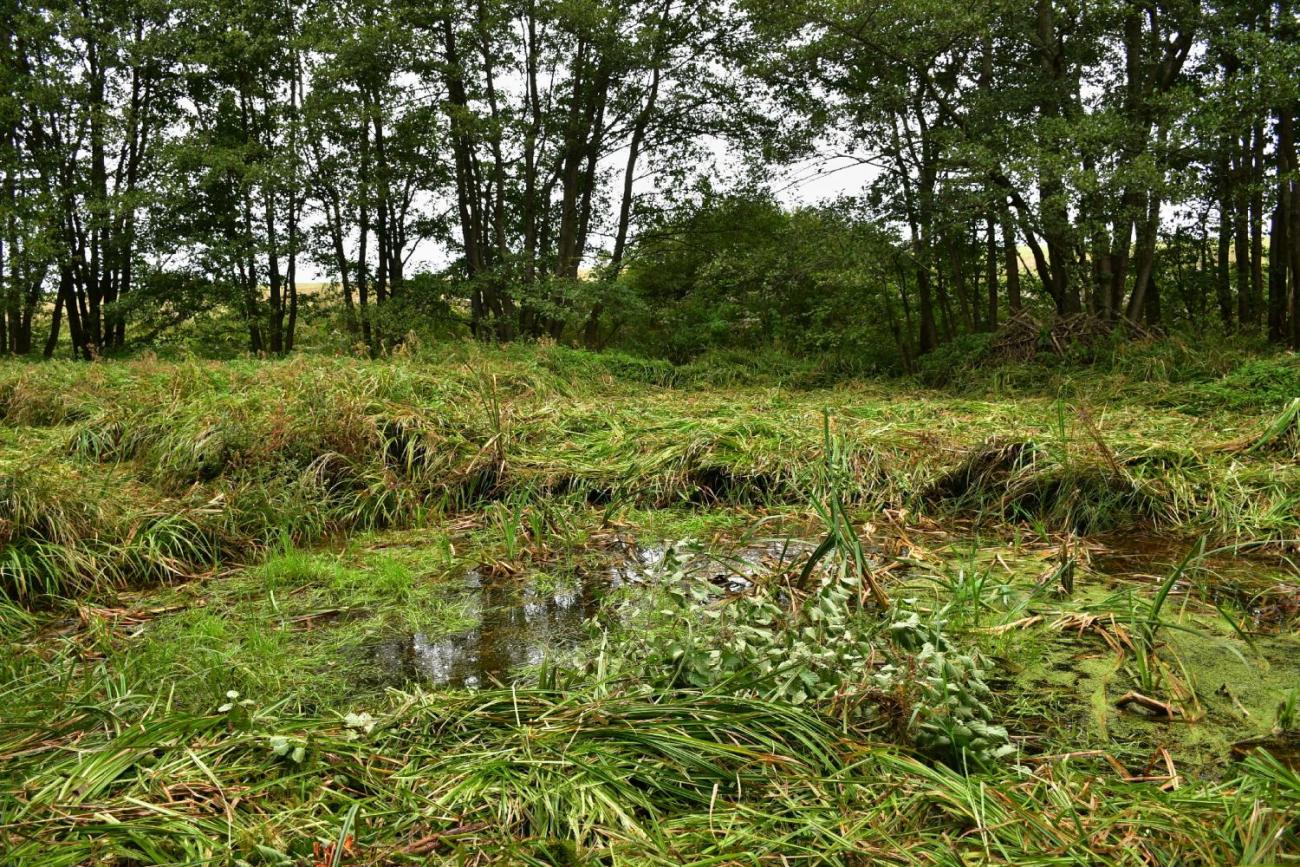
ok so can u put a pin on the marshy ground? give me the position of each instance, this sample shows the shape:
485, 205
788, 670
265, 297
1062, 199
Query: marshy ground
547, 607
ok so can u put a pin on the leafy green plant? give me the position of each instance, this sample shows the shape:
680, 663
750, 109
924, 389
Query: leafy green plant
951, 714
824, 650
1147, 623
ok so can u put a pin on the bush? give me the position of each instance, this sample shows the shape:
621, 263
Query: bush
943, 366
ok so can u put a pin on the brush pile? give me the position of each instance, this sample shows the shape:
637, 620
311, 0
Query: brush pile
1027, 335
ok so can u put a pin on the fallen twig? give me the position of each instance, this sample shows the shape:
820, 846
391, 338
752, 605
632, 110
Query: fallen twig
1161, 707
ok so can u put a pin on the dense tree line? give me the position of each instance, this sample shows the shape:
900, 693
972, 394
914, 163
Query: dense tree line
1133, 159
1069, 130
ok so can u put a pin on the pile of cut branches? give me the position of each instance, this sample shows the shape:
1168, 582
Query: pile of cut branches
1028, 334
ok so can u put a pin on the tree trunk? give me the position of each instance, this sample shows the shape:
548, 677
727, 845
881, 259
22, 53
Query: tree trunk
273, 276
1223, 273
1012, 255
363, 224
1287, 146
991, 275
1257, 223
1241, 236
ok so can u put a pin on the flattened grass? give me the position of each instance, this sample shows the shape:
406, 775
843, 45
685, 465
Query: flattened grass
536, 775
146, 470
115, 749
119, 743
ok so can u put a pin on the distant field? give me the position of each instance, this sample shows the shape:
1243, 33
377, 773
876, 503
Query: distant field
318, 287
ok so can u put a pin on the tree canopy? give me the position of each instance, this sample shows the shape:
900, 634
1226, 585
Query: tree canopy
601, 172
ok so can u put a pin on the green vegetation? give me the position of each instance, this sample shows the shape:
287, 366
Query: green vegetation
149, 470
640, 432
869, 183
545, 606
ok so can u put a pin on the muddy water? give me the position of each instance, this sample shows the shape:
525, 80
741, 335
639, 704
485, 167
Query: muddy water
1262, 585
520, 625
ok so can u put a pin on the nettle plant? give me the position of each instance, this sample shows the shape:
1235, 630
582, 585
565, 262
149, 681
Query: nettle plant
753, 643
951, 717
826, 649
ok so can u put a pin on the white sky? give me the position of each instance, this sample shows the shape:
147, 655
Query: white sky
804, 183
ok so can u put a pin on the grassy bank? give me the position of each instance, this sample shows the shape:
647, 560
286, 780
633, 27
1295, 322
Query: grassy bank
146, 470
1048, 622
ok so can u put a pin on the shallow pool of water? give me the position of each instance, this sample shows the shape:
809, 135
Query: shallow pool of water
518, 626
521, 625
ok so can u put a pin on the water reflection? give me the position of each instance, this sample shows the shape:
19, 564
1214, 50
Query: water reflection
522, 625
1261, 584
735, 571
518, 626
